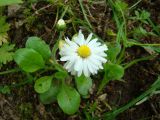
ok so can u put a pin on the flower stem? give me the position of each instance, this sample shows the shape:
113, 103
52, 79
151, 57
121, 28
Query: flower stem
9, 71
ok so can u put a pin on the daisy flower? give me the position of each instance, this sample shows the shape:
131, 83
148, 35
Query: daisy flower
83, 56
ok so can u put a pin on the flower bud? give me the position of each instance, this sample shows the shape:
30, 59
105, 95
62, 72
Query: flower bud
74, 37
61, 25
61, 43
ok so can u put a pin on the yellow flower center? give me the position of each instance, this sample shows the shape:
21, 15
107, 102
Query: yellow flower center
84, 51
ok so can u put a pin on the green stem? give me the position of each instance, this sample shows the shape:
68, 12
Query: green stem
134, 5
122, 29
137, 60
84, 13
103, 82
64, 12
21, 83
140, 44
154, 27
10, 71
120, 59
29, 79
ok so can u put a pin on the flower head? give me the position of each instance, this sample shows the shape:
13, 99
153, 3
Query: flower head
83, 56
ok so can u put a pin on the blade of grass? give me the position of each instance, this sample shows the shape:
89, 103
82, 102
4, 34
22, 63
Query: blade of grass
84, 14
111, 115
134, 5
141, 44
138, 60
122, 29
154, 26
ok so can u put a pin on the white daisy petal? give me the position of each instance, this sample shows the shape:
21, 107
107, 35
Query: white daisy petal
89, 66
80, 38
102, 54
94, 61
83, 56
66, 64
92, 42
78, 64
85, 68
89, 38
69, 65
71, 43
80, 71
65, 58
105, 47
102, 59
95, 45
71, 69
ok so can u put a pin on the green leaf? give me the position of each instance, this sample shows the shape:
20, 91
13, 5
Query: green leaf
60, 75
152, 49
5, 89
110, 32
3, 31
3, 38
9, 2
29, 60
140, 32
121, 5
50, 95
83, 84
5, 53
60, 68
43, 84
113, 51
112, 72
68, 99
142, 16
3, 24
40, 46
155, 48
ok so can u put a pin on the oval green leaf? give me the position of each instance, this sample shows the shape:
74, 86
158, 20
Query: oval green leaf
61, 75
113, 51
83, 84
28, 59
43, 84
68, 100
50, 95
40, 46
113, 71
